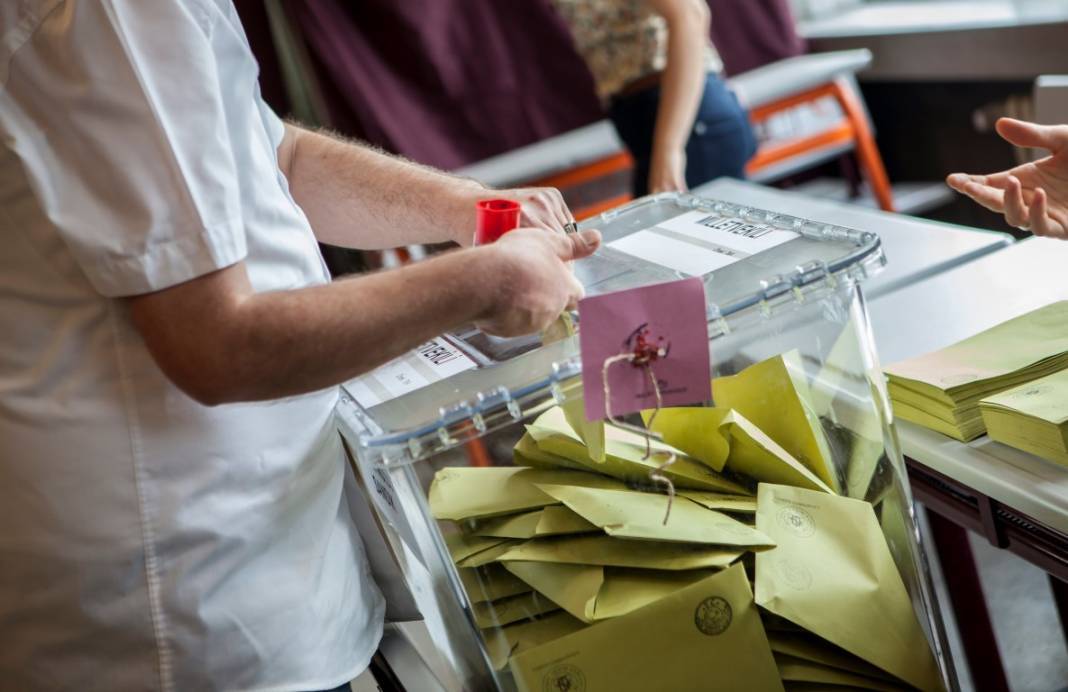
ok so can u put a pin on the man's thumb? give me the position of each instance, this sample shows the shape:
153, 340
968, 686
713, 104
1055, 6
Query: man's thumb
581, 245
1025, 134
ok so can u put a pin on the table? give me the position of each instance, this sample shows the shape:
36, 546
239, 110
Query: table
1016, 500
915, 248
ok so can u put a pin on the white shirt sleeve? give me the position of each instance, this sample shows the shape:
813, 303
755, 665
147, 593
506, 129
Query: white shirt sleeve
115, 109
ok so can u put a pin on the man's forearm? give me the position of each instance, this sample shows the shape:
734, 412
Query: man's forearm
355, 196
272, 345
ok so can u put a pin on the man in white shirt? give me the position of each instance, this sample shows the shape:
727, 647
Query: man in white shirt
171, 507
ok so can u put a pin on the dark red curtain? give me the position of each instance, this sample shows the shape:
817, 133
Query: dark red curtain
449, 82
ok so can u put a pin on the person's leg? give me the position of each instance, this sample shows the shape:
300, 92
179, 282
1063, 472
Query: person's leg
722, 139
634, 117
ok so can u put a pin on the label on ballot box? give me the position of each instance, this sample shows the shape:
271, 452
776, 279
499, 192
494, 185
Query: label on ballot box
435, 360
697, 243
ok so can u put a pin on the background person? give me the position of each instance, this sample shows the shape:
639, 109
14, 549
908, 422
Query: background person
657, 74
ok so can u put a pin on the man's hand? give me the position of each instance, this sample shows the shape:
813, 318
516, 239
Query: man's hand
1033, 196
221, 341
667, 171
536, 283
539, 207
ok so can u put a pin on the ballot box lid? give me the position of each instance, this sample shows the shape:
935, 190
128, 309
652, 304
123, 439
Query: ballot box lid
749, 259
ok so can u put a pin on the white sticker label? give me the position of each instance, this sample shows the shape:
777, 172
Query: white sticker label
697, 243
679, 255
435, 360
735, 234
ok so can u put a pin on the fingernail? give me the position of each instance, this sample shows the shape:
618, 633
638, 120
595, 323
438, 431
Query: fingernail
590, 238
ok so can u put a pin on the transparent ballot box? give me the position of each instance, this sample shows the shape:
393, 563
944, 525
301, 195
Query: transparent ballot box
761, 539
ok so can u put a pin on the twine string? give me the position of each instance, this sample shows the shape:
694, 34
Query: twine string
644, 361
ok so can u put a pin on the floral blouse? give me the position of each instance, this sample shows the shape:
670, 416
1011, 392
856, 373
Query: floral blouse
621, 41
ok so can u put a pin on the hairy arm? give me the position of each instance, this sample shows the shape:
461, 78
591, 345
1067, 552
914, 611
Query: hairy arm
681, 86
356, 196
220, 341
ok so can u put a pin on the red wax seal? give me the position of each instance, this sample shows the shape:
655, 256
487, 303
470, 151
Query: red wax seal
494, 218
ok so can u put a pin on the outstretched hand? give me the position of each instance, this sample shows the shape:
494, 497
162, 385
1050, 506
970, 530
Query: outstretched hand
1033, 196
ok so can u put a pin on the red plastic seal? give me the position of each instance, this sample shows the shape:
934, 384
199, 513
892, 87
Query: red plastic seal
494, 218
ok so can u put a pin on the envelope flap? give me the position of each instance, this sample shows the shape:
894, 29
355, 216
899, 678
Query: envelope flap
833, 574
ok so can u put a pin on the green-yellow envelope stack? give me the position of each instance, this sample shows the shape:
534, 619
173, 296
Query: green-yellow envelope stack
942, 390
761, 576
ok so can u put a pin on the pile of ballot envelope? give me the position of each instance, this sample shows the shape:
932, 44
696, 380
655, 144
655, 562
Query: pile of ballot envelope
756, 572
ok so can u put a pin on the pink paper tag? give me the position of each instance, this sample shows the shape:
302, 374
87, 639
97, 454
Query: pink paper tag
669, 314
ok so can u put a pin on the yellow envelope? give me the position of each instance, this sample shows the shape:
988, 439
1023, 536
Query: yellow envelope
774, 395
799, 670
625, 456
475, 551
526, 453
693, 429
705, 637
625, 590
724, 438
591, 432
756, 455
559, 520
548, 521
522, 525
739, 504
504, 642
604, 550
572, 587
462, 546
463, 492
526, 606
592, 593
805, 646
832, 573
638, 515
490, 583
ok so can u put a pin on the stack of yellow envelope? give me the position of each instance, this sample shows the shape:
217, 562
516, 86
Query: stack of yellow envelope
1032, 417
547, 549
941, 390
580, 578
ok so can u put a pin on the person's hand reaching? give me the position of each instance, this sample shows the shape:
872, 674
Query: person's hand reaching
1034, 196
531, 280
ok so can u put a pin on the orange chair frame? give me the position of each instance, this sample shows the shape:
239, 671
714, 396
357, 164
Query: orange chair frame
854, 129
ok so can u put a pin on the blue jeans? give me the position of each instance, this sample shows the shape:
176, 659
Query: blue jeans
720, 143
